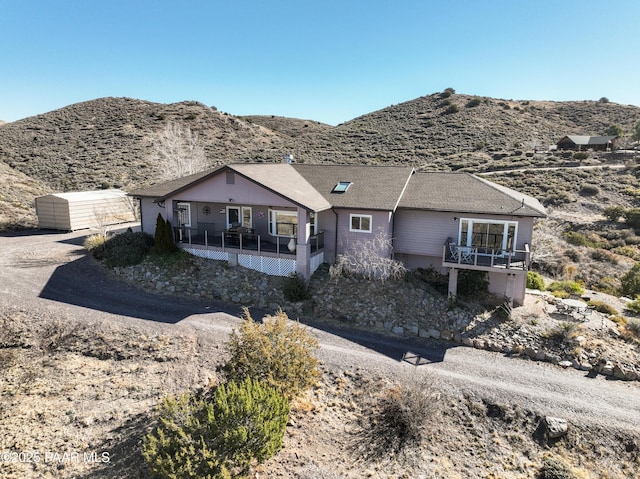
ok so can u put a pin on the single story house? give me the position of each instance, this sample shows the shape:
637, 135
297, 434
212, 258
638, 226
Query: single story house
578, 143
286, 218
78, 210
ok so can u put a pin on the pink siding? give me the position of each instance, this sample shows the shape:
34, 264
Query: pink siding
242, 192
380, 224
424, 232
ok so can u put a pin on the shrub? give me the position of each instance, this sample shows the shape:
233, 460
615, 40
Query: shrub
569, 287
580, 155
94, 241
632, 217
452, 109
369, 259
473, 103
634, 306
580, 239
219, 436
589, 190
535, 281
562, 332
278, 352
633, 326
602, 307
124, 249
163, 238
608, 285
399, 417
295, 288
555, 468
630, 282
614, 213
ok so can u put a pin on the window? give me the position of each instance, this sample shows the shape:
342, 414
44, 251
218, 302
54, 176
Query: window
361, 223
341, 187
184, 214
488, 235
283, 222
237, 215
231, 178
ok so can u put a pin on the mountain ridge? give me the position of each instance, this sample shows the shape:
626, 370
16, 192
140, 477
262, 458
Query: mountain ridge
107, 142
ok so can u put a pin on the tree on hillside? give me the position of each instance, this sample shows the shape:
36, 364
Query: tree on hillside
615, 130
635, 136
178, 152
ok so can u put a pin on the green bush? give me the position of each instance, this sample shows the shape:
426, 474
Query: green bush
124, 249
580, 155
608, 285
602, 307
473, 103
278, 351
535, 281
632, 217
634, 306
630, 282
569, 287
614, 213
452, 109
164, 242
219, 436
295, 288
580, 239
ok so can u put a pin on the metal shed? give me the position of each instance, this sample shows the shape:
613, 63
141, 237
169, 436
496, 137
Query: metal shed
83, 209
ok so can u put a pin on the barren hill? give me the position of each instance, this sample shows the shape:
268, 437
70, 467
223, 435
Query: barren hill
107, 142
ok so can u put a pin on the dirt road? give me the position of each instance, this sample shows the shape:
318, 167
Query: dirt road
52, 271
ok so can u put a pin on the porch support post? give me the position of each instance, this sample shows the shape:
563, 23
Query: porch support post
509, 288
453, 282
303, 245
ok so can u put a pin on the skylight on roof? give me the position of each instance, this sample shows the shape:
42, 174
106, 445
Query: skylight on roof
341, 187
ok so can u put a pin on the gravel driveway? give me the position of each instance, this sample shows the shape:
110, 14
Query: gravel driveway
52, 271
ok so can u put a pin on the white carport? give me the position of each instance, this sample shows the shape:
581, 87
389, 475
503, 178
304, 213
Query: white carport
84, 209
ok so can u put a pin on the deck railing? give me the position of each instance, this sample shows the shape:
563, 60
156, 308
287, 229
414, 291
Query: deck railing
478, 257
244, 241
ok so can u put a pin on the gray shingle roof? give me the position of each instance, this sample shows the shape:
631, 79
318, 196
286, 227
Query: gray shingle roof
373, 187
466, 193
279, 178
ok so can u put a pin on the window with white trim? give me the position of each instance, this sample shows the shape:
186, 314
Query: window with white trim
489, 236
184, 214
283, 222
360, 223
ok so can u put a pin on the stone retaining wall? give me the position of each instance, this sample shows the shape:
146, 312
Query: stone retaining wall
400, 308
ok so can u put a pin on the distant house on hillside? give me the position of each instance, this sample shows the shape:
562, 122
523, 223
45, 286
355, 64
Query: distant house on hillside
582, 143
289, 218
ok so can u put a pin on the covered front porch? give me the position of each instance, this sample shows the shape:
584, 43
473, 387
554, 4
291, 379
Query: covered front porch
274, 255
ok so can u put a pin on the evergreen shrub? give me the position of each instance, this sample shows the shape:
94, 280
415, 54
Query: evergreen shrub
219, 436
279, 352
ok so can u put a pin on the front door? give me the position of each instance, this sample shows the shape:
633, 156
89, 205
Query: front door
233, 216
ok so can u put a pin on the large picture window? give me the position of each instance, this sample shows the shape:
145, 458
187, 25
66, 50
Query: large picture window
360, 223
283, 222
489, 236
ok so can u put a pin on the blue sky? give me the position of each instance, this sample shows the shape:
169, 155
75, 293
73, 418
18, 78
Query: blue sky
329, 61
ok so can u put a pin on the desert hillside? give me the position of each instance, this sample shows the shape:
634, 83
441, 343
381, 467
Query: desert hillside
108, 142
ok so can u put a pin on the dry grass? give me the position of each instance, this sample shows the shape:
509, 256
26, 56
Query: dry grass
68, 386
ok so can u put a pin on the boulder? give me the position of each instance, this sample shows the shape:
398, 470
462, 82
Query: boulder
555, 427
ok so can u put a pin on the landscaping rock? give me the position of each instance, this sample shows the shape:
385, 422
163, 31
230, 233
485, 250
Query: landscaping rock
556, 427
